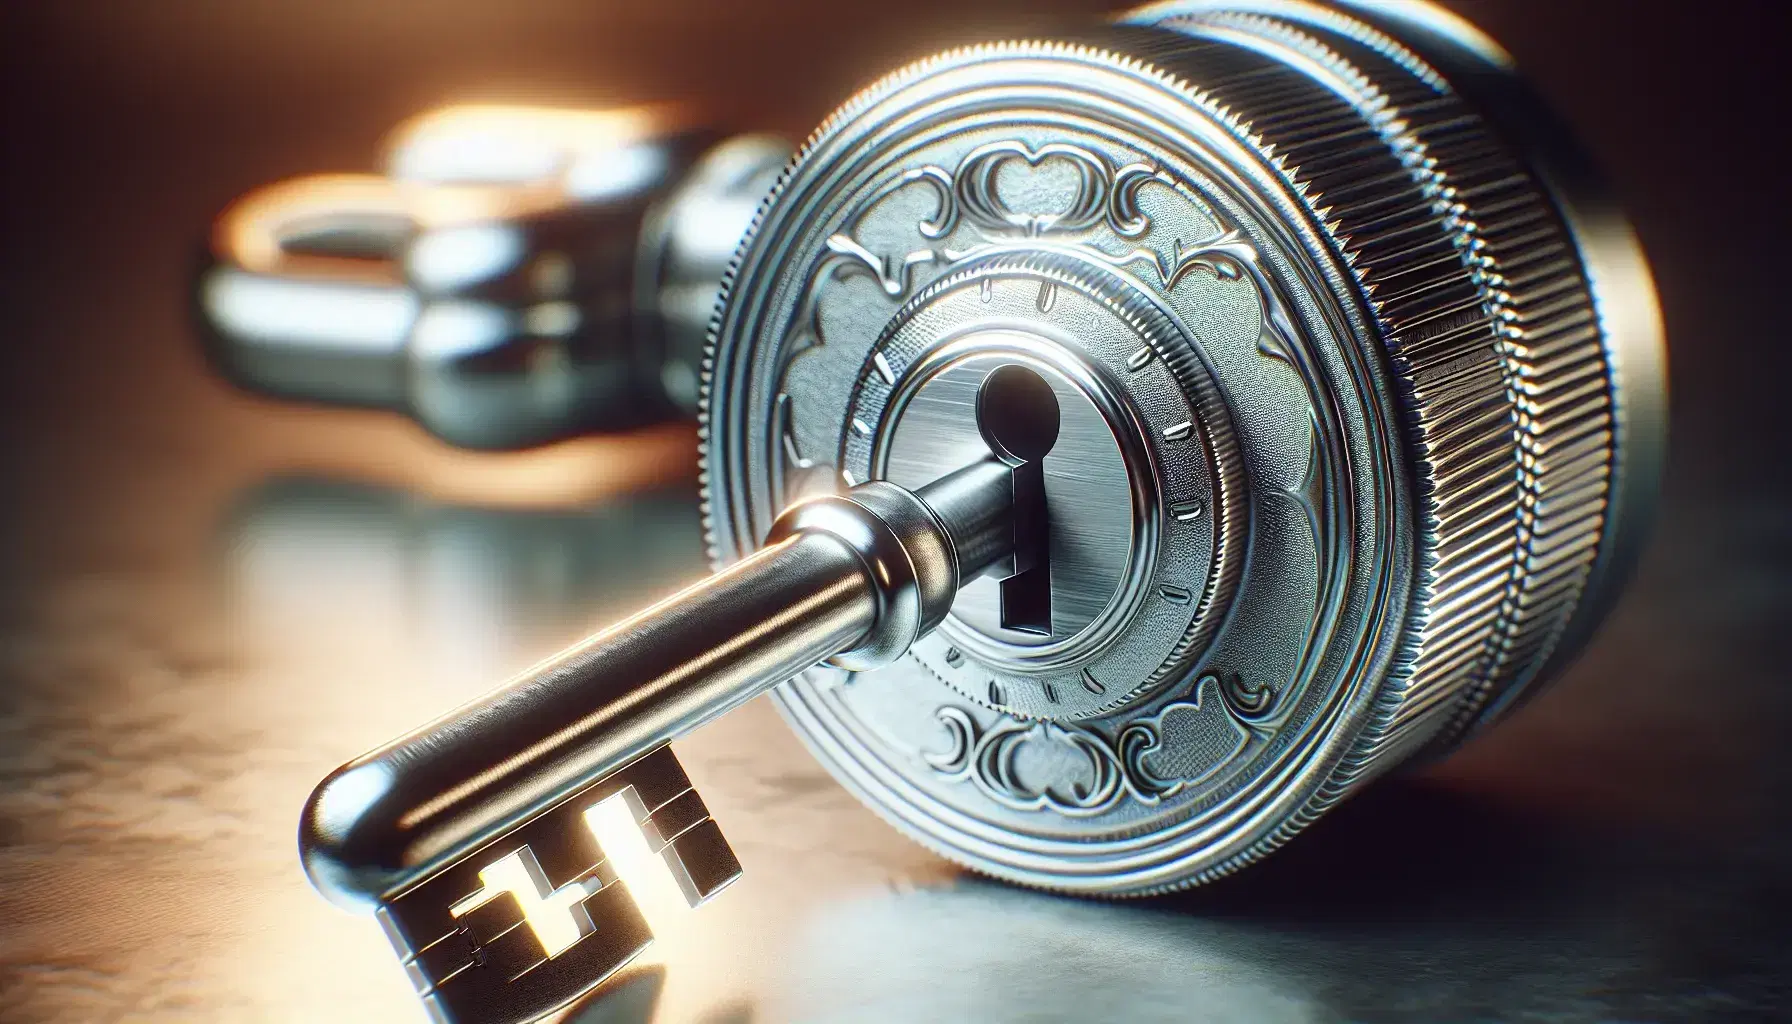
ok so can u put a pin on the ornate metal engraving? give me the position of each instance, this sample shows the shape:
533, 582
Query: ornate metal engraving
1331, 302
986, 757
1166, 239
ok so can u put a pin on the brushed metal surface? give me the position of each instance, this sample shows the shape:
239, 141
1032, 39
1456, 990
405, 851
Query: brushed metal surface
1088, 497
1140, 534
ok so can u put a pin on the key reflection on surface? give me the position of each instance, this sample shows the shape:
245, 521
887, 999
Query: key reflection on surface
467, 587
982, 952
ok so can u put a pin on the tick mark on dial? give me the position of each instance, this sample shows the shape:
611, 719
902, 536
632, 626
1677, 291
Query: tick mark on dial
1179, 431
1090, 683
1183, 511
996, 696
1175, 594
1048, 296
1138, 360
860, 427
883, 367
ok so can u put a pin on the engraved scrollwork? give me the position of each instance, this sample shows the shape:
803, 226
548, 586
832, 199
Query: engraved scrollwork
1199, 737
1228, 256
1251, 703
1102, 199
1124, 215
987, 759
1103, 194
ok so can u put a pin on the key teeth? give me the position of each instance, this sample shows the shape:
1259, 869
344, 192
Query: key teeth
516, 983
702, 862
488, 966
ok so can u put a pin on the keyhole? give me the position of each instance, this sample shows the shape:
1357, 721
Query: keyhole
1017, 413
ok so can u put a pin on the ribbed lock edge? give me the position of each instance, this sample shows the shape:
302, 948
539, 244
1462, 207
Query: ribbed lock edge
1489, 323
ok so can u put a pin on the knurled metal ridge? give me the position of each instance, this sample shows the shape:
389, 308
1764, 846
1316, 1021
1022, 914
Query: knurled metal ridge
1562, 395
1553, 490
1372, 189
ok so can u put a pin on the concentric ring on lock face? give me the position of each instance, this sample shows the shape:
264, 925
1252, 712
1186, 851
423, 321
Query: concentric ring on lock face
1141, 485
1102, 519
1100, 493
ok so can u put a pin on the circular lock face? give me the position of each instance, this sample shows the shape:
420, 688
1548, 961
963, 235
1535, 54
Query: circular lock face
1141, 483
1293, 513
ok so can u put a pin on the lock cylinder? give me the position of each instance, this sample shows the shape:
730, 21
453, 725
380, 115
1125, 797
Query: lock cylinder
1362, 386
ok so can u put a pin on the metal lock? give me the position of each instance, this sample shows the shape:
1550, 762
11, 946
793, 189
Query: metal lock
1126, 446
518, 275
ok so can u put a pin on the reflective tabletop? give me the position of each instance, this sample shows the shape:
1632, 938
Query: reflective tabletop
208, 601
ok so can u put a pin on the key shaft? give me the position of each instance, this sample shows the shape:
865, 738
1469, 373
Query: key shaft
853, 579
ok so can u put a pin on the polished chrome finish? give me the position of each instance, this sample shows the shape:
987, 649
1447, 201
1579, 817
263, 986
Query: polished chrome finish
902, 545
687, 243
1143, 563
1359, 356
522, 275
282, 315
471, 837
394, 814
859, 574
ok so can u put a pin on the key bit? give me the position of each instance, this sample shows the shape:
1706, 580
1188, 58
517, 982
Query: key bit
475, 953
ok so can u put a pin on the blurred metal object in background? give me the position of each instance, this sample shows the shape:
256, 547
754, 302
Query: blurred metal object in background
520, 275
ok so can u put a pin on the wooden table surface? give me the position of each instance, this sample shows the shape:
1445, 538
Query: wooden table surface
206, 602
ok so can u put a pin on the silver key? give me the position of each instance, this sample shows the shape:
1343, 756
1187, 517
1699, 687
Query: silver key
418, 826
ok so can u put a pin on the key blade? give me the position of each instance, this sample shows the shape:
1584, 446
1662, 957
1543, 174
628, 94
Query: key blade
538, 917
